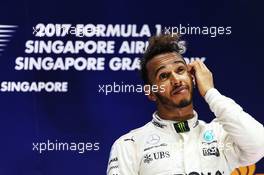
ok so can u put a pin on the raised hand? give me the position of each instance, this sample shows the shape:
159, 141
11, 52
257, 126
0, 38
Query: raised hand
203, 76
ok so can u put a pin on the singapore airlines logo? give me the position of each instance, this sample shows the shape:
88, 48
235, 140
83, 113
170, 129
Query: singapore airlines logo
6, 32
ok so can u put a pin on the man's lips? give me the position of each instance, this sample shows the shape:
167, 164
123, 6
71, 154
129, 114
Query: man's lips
179, 89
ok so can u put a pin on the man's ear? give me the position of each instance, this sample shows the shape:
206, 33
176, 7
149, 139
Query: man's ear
193, 79
191, 74
149, 93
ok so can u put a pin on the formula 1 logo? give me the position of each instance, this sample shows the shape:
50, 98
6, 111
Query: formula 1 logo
6, 32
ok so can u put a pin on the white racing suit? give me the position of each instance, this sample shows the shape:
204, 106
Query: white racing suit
231, 140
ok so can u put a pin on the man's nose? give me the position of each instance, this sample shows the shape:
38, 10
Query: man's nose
174, 79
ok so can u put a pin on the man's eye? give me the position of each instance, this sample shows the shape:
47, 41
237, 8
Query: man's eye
181, 70
163, 76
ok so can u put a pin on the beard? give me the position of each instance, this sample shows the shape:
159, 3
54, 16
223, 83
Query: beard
167, 102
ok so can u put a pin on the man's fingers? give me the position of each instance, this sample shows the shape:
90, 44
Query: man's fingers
203, 76
194, 65
204, 66
201, 65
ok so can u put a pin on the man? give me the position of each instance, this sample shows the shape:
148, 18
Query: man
175, 141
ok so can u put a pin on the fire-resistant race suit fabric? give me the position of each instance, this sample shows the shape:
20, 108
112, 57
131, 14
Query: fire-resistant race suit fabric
163, 147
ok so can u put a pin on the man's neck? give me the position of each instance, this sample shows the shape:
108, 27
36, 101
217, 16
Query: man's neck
176, 114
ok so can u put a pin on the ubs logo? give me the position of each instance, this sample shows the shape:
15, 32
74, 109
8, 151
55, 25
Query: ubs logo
148, 158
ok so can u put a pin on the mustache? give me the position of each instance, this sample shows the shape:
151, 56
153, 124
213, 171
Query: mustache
178, 88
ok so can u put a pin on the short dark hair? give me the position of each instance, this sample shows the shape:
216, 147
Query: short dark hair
163, 43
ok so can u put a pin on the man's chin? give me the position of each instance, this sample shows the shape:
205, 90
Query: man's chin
181, 103
175, 102
184, 103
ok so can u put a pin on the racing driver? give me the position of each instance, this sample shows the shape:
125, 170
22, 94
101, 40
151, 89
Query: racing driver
175, 142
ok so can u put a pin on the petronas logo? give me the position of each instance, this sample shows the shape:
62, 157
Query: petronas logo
181, 127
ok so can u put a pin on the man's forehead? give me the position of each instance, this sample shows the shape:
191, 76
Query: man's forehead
164, 59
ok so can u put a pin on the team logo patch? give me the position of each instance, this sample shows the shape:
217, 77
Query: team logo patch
213, 151
208, 136
153, 139
130, 139
181, 127
148, 158
160, 125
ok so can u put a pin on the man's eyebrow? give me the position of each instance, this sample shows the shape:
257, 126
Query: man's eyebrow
162, 67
